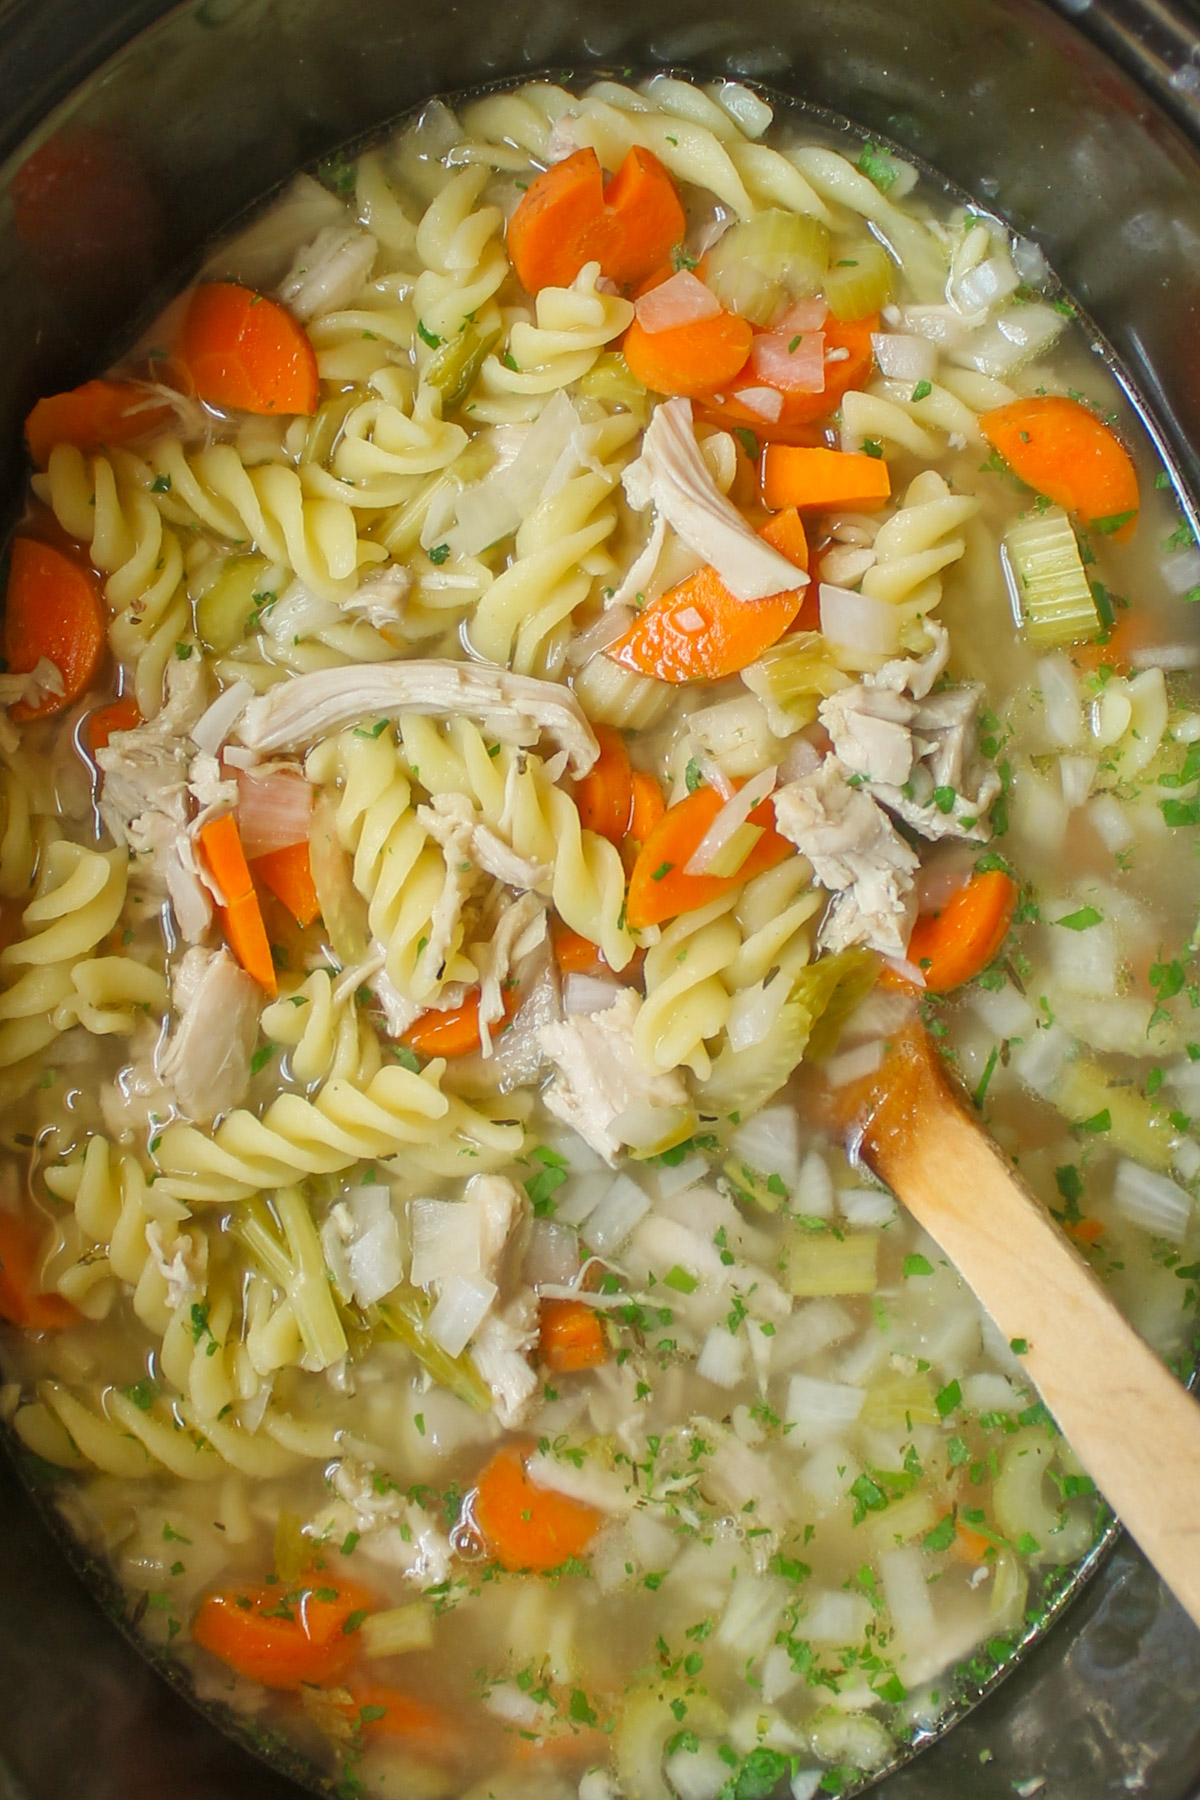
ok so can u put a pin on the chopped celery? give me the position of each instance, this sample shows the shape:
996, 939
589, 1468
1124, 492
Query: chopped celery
326, 425
829, 990
295, 1262
821, 1265
455, 367
860, 281
228, 610
755, 1185
1135, 1126
404, 1316
1049, 585
609, 380
401, 1629
895, 1400
792, 678
292, 1555
742, 1081
761, 264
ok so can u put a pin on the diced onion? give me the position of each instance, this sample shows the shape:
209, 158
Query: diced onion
584, 994
1181, 570
816, 1406
991, 280
854, 1064
1152, 1201
866, 1206
904, 358
610, 626
461, 1309
859, 621
1077, 775
834, 1617
445, 1239
553, 1254
733, 814
690, 620
906, 1585
812, 1196
767, 402
770, 1142
611, 1222
798, 370
375, 1263
722, 1359
803, 315
1061, 700
754, 1012
274, 810
214, 726
683, 300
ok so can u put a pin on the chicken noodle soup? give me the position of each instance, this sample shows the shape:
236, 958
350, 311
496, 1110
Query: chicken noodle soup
585, 623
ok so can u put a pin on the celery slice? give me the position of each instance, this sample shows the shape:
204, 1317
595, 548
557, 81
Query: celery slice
1046, 578
860, 281
227, 611
403, 1316
763, 262
822, 1266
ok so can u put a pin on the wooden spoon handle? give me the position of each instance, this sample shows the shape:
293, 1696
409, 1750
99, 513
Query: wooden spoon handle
1134, 1427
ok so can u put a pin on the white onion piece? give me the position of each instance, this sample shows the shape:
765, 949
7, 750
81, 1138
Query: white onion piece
859, 621
812, 1196
1076, 775
904, 358
1061, 701
462, 1306
274, 810
690, 620
1171, 657
710, 768
864, 1059
588, 994
818, 1406
610, 626
991, 280
683, 300
770, 1142
800, 758
767, 402
866, 1207
1181, 571
803, 315
375, 1263
799, 370
610, 1223
753, 1013
214, 726
722, 1360
1152, 1201
553, 1254
735, 812
445, 1240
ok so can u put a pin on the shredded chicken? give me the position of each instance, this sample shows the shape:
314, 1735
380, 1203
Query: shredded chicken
511, 708
911, 744
598, 1076
206, 1063
856, 853
452, 821
379, 597
43, 681
327, 273
184, 1268
212, 791
393, 1531
672, 474
519, 932
501, 1352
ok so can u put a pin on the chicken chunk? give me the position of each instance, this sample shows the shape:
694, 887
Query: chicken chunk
598, 1076
327, 273
856, 853
502, 1351
452, 821
206, 1064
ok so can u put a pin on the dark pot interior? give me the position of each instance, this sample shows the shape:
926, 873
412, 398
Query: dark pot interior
199, 112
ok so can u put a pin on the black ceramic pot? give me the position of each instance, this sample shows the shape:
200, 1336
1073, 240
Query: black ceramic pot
154, 127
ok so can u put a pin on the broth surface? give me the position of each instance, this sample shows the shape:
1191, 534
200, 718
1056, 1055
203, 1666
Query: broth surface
431, 1276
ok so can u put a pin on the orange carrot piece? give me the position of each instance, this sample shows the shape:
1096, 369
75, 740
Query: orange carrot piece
800, 412
570, 1336
1061, 449
455, 1033
288, 875
971, 1546
568, 218
648, 806
953, 945
690, 359
247, 353
380, 1711
604, 795
21, 1300
241, 915
285, 1637
658, 887
98, 413
53, 609
1086, 1231
528, 1527
785, 532
820, 480
576, 955
120, 715
699, 631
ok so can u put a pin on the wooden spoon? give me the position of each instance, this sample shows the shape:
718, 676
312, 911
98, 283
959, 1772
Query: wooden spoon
1134, 1427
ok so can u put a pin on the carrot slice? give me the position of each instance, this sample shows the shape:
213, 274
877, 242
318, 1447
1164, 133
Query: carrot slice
690, 359
658, 887
21, 1300
1062, 450
246, 352
699, 631
570, 1336
455, 1033
241, 915
285, 1637
380, 1711
820, 480
971, 1546
604, 795
956, 943
800, 413
528, 1527
98, 413
120, 715
568, 218
53, 609
576, 955
648, 806
288, 875
785, 532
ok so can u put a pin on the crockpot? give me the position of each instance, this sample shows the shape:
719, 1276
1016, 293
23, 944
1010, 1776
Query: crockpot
1080, 125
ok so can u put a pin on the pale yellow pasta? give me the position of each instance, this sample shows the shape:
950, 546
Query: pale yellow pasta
572, 326
323, 1032
918, 542
79, 898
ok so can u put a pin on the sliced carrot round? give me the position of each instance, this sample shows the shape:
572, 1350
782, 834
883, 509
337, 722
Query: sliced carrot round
284, 1637
455, 1033
955, 944
604, 795
54, 609
247, 353
699, 631
570, 1336
568, 218
120, 715
799, 413
528, 1527
691, 360
658, 887
98, 413
21, 1301
1061, 449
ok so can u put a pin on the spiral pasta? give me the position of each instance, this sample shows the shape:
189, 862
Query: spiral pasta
918, 543
573, 325
323, 1033
464, 262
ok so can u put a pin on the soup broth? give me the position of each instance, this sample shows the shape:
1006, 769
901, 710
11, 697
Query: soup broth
519, 690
